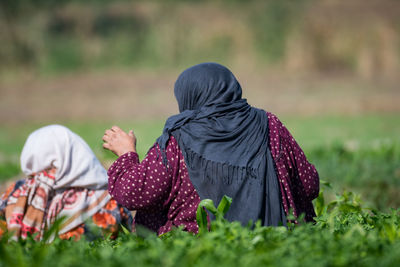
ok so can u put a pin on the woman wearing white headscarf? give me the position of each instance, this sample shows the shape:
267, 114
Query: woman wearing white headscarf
64, 180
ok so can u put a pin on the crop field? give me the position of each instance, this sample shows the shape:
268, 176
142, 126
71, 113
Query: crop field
354, 144
328, 69
358, 220
345, 233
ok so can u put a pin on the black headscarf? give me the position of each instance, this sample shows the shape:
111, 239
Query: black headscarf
225, 144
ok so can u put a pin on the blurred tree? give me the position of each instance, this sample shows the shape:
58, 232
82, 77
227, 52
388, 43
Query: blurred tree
12, 15
271, 21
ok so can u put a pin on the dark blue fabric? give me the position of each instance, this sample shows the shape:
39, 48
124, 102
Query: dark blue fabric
225, 144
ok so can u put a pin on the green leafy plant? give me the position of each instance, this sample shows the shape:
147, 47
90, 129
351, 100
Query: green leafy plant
219, 212
345, 233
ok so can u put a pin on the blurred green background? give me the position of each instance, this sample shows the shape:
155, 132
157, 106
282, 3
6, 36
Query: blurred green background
55, 36
329, 69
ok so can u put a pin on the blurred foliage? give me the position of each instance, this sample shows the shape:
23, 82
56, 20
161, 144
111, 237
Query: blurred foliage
300, 35
372, 172
271, 22
16, 8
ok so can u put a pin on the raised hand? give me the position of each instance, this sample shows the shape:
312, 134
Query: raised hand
118, 141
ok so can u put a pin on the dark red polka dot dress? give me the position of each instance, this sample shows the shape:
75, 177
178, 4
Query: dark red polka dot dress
165, 197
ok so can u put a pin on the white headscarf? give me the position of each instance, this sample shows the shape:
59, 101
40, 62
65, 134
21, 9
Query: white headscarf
57, 146
76, 167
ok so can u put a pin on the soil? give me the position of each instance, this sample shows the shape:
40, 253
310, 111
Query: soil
109, 96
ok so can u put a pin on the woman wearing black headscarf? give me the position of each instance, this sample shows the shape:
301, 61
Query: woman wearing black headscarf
217, 145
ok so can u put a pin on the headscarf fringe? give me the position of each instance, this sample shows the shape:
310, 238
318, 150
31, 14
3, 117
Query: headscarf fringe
230, 173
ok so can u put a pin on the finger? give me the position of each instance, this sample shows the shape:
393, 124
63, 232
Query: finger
116, 129
106, 138
109, 132
107, 146
131, 134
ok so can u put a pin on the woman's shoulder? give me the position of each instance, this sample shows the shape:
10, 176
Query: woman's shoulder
273, 120
172, 145
172, 141
280, 139
276, 127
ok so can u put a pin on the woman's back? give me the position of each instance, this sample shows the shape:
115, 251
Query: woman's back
227, 149
165, 197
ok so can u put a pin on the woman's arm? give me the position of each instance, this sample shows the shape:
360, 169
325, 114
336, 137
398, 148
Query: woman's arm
140, 186
295, 160
137, 186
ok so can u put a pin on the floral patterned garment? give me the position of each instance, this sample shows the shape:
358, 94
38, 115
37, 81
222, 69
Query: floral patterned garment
166, 198
30, 206
108, 219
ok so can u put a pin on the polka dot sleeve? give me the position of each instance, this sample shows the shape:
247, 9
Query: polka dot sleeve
295, 161
163, 197
300, 166
139, 186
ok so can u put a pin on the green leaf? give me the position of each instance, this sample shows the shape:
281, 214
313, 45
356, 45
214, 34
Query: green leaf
201, 214
319, 203
325, 183
209, 205
125, 230
224, 205
52, 232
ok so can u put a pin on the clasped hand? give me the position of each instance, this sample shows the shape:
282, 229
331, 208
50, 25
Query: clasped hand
118, 141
